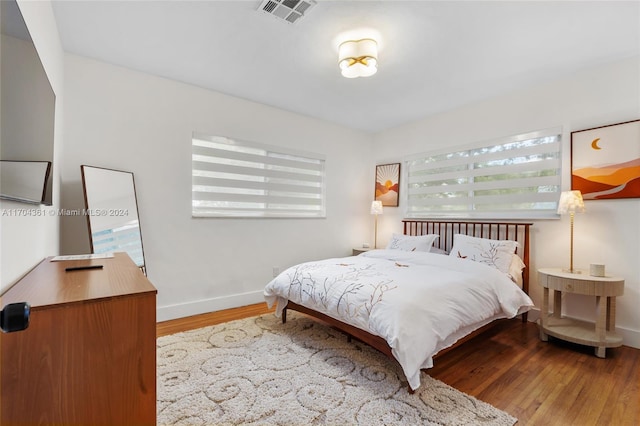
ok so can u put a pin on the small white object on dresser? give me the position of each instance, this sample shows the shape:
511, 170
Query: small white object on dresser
604, 289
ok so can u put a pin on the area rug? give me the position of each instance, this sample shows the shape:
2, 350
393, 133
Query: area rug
258, 371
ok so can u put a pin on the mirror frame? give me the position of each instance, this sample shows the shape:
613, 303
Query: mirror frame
88, 210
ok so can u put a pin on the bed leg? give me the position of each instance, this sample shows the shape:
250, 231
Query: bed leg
524, 317
284, 315
411, 391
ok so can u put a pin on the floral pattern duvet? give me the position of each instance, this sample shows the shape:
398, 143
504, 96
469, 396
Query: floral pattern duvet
419, 302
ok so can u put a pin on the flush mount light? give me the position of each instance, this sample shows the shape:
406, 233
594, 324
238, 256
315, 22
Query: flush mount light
358, 58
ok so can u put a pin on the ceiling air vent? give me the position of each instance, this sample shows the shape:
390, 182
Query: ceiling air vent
288, 10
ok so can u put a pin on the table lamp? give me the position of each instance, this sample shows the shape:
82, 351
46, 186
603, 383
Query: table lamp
376, 209
571, 202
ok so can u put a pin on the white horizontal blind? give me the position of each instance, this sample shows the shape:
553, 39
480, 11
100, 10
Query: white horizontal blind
513, 177
232, 178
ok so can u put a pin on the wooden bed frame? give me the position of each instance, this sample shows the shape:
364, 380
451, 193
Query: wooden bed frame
517, 231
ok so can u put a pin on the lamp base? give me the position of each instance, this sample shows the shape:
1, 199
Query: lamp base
572, 271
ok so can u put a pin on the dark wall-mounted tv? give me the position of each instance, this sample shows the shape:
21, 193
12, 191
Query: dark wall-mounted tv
24, 181
27, 114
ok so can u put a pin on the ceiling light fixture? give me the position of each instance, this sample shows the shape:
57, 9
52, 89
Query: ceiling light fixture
358, 58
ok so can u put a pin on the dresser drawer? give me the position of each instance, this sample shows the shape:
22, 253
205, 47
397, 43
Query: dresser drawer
570, 286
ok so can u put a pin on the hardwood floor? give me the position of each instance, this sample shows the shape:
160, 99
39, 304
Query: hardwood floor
540, 383
212, 318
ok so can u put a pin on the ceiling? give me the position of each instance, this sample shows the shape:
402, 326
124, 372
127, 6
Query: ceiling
434, 56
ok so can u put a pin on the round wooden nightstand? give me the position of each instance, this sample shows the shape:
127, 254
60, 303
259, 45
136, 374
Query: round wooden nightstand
604, 289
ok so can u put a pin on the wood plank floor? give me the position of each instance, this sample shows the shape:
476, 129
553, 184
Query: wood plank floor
540, 383
212, 318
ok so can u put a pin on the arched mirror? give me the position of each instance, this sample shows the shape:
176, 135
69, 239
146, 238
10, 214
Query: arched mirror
112, 212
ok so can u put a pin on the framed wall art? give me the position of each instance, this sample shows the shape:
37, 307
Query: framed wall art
605, 161
388, 184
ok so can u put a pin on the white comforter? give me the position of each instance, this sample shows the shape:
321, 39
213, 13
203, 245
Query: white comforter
418, 302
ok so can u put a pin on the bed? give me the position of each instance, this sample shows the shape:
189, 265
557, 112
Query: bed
436, 285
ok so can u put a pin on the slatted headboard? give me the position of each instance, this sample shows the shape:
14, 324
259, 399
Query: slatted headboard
517, 231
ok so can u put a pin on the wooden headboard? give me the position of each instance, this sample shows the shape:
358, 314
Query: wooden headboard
516, 231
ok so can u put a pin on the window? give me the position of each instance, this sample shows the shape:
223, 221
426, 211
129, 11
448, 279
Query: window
232, 178
513, 177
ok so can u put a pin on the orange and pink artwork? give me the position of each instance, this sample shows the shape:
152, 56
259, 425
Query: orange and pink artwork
388, 184
605, 161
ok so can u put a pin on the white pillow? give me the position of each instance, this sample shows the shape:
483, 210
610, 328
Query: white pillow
496, 253
411, 242
437, 250
515, 270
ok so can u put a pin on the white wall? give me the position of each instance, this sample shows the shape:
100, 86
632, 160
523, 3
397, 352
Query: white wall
132, 121
122, 119
609, 231
26, 240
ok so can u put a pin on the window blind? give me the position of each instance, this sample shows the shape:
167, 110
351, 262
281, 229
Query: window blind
232, 178
514, 177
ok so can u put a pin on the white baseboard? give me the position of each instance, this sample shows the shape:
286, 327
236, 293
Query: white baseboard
164, 313
187, 309
533, 315
630, 337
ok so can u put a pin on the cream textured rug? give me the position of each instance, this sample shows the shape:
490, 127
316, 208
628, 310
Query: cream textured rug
260, 371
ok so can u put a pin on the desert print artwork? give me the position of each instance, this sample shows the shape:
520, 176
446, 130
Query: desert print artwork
387, 184
605, 161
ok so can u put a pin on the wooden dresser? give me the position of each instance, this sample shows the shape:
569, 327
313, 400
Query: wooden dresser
89, 354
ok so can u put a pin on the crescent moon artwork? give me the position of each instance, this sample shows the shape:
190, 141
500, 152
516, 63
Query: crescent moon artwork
605, 161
